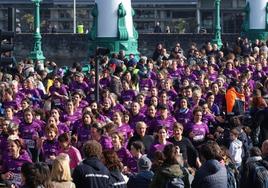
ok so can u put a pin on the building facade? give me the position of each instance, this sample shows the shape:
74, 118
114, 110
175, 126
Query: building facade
176, 16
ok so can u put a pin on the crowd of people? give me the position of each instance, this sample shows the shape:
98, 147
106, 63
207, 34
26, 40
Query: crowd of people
194, 118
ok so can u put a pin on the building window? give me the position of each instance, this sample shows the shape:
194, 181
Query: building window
232, 22
207, 21
241, 3
144, 13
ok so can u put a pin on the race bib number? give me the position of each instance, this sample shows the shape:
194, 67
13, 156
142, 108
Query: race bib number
16, 180
199, 138
57, 102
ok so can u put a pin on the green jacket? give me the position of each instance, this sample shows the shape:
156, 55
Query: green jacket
168, 172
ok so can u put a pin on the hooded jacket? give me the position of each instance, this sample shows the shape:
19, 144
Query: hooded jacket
167, 173
212, 174
142, 180
235, 102
91, 172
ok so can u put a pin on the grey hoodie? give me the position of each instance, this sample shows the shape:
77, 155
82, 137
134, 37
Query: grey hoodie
212, 174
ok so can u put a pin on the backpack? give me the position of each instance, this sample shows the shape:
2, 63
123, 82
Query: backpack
260, 174
231, 179
174, 183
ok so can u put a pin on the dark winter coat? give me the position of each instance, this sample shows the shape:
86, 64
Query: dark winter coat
91, 173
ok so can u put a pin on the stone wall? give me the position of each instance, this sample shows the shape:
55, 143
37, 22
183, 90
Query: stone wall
68, 48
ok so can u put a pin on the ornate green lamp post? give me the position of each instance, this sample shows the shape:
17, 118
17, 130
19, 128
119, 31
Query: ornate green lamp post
217, 28
37, 53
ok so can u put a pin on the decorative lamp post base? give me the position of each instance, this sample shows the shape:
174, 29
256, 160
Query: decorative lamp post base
37, 56
218, 42
130, 46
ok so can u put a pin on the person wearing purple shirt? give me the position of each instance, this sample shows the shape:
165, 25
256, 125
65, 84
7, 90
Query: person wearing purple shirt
197, 130
55, 119
160, 142
49, 146
212, 74
121, 127
8, 100
25, 103
62, 128
106, 79
31, 91
163, 100
264, 65
197, 98
58, 93
16, 158
107, 109
174, 72
258, 74
70, 115
188, 75
127, 94
136, 150
79, 83
229, 72
81, 130
208, 116
183, 114
246, 66
135, 115
30, 131
172, 94
151, 119
97, 133
141, 100
165, 119
9, 114
118, 146
78, 102
18, 95
153, 93
145, 83
219, 98
214, 108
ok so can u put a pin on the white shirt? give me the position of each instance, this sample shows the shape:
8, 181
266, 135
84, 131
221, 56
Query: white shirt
236, 150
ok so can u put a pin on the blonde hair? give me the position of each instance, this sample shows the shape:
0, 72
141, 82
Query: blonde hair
61, 168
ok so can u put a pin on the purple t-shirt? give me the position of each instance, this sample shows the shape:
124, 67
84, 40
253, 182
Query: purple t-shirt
126, 130
75, 86
58, 101
200, 131
168, 122
183, 116
13, 104
63, 128
27, 131
136, 118
14, 166
124, 155
50, 148
128, 95
157, 147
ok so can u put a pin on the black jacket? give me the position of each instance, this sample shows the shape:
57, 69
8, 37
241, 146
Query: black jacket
141, 180
117, 180
91, 173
